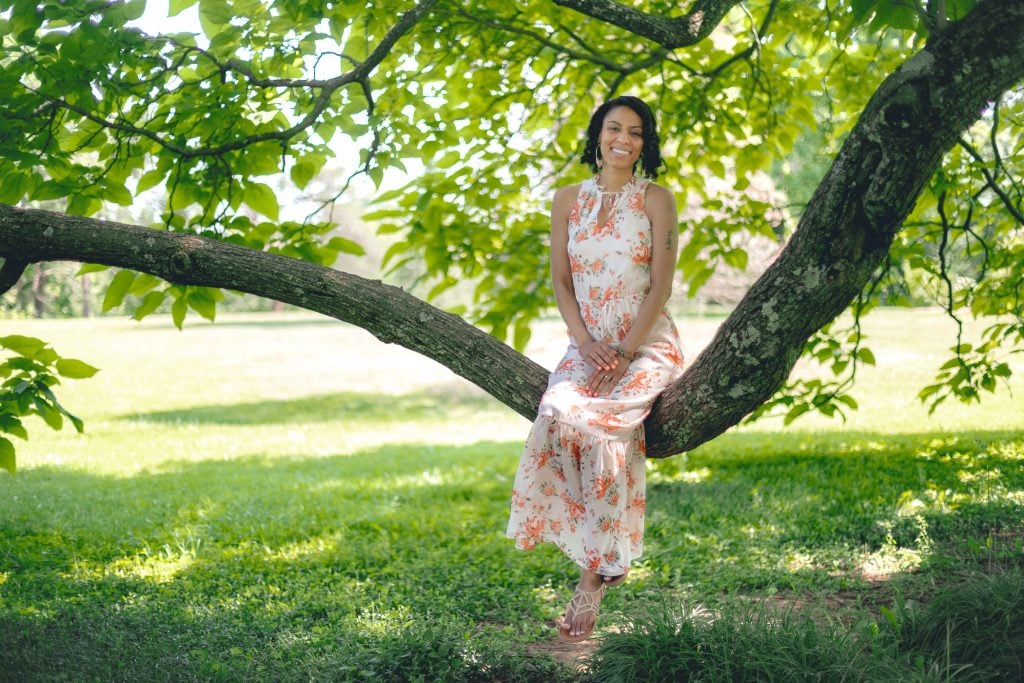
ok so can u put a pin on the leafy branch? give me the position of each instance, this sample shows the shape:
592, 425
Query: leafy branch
28, 376
326, 88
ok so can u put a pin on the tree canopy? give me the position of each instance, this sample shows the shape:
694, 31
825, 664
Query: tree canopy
918, 106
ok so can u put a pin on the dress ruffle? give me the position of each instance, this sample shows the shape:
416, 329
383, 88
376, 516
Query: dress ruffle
582, 492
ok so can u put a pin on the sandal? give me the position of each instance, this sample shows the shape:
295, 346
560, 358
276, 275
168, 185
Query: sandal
613, 581
583, 602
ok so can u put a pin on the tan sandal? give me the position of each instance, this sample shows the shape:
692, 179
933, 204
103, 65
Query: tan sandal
583, 602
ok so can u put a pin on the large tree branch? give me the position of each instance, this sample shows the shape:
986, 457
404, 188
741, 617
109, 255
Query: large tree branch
669, 32
914, 117
389, 313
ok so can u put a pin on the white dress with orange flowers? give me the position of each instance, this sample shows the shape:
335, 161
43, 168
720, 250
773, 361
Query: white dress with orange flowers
581, 478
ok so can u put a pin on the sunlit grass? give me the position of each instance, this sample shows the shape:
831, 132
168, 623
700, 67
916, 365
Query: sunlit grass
273, 495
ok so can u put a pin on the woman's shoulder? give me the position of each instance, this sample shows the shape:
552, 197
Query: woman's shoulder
659, 196
657, 191
566, 194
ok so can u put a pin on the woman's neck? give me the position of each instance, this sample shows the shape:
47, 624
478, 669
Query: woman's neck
613, 180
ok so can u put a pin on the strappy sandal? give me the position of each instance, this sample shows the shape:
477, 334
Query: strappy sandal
613, 581
583, 602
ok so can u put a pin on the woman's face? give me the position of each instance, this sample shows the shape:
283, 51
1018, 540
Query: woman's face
622, 138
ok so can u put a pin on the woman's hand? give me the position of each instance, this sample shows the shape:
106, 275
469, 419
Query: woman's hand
602, 382
600, 356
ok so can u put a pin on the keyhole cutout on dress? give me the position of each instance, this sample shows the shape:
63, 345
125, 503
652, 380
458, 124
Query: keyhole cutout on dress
609, 203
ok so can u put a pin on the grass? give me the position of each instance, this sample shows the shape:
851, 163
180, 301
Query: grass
284, 498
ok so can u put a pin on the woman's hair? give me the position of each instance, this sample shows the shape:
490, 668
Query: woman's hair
650, 157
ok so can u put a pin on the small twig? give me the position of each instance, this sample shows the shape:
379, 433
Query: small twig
992, 184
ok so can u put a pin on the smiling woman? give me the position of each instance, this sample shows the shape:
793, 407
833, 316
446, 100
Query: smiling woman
580, 483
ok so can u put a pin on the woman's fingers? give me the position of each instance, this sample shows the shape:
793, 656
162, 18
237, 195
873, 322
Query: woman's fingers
601, 356
603, 381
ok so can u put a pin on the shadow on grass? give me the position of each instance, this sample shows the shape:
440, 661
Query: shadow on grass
277, 567
797, 511
326, 407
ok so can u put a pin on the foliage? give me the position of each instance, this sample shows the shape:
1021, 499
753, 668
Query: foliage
220, 522
29, 374
483, 104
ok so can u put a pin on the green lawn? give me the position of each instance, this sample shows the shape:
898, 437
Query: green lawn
282, 497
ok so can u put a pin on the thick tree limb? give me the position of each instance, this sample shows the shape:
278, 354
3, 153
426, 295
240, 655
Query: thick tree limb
389, 313
669, 32
916, 115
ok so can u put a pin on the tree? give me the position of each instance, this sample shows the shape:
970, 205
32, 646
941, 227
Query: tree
913, 101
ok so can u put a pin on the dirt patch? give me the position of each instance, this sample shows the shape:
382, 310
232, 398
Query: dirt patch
571, 655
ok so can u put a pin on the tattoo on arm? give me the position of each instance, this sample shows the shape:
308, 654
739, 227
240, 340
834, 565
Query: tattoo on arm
669, 240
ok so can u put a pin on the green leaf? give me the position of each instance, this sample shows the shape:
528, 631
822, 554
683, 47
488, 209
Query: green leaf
261, 198
117, 289
202, 302
7, 455
149, 180
12, 425
75, 369
736, 259
861, 8
214, 13
178, 310
346, 246
116, 193
521, 335
895, 13
21, 345
795, 412
178, 6
866, 356
51, 416
150, 303
848, 400
90, 268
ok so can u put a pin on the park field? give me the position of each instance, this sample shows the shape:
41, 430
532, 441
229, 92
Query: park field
282, 497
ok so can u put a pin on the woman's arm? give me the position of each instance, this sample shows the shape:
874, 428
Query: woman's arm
599, 354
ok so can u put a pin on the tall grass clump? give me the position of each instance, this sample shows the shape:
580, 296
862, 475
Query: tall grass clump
440, 651
975, 628
738, 642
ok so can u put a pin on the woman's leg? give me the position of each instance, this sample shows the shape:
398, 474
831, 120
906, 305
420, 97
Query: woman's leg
581, 614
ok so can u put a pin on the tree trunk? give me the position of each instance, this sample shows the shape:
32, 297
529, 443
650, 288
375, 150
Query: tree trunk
39, 290
86, 294
910, 122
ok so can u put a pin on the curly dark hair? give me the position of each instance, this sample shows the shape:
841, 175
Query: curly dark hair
650, 158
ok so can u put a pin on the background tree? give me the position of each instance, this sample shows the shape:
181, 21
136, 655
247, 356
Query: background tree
911, 100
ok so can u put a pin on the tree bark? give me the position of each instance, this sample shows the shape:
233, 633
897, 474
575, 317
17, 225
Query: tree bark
914, 117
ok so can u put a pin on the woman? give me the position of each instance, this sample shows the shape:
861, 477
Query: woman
581, 479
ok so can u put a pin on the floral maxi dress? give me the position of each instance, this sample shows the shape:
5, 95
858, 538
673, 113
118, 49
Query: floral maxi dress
581, 479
